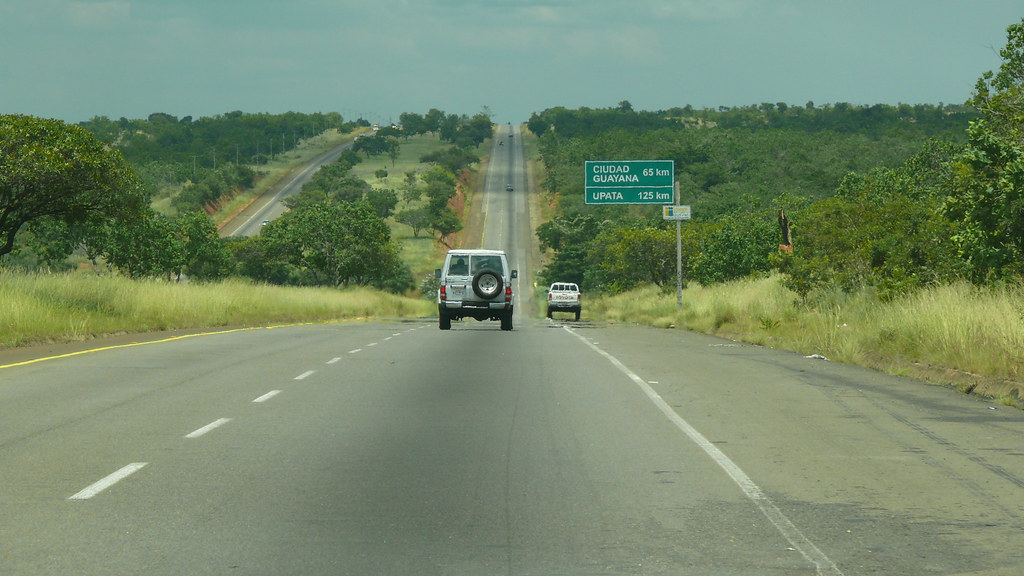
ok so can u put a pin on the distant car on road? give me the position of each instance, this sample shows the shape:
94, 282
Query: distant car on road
564, 297
508, 187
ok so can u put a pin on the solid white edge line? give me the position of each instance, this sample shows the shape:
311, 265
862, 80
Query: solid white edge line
305, 375
97, 487
267, 396
752, 491
215, 424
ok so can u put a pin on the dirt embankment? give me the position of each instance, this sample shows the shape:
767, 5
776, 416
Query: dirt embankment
469, 188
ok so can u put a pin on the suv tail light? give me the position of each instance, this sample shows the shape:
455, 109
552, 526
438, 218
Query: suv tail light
444, 293
508, 293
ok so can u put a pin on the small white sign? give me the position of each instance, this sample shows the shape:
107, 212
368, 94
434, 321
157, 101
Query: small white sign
675, 212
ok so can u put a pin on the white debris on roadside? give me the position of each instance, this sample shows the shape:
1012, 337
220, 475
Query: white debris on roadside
816, 357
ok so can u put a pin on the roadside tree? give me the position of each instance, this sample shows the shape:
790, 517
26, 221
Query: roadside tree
986, 200
49, 169
625, 258
416, 218
204, 255
337, 244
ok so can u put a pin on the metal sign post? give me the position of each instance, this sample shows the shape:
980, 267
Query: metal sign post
679, 253
677, 213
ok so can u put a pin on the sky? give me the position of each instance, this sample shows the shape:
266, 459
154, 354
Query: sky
77, 59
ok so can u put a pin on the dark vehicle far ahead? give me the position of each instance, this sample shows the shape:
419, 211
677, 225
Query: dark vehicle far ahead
475, 284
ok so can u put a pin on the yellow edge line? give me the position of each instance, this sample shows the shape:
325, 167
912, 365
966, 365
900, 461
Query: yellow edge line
132, 344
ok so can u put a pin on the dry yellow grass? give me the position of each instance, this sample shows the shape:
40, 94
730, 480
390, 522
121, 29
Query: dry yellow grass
959, 334
59, 308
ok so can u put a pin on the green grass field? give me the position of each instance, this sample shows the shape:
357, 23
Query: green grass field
409, 153
422, 254
419, 253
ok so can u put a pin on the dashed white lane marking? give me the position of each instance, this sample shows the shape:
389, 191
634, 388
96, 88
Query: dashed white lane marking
752, 491
334, 360
97, 487
305, 375
371, 344
267, 396
212, 425
356, 350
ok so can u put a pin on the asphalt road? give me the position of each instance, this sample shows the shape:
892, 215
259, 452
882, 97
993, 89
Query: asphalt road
270, 205
506, 213
568, 448
558, 448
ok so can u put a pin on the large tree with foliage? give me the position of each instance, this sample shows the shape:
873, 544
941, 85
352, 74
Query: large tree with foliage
987, 191
624, 258
337, 243
569, 238
440, 189
49, 169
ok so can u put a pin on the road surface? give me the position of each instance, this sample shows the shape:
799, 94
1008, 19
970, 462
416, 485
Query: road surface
567, 448
506, 213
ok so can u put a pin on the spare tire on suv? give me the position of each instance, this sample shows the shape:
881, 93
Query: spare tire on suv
487, 284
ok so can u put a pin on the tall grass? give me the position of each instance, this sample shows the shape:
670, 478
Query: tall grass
37, 308
956, 334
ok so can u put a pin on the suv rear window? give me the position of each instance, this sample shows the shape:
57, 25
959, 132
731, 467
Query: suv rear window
478, 263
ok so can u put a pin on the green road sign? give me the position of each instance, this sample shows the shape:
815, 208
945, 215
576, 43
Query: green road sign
629, 181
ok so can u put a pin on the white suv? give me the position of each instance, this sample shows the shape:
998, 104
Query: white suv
475, 284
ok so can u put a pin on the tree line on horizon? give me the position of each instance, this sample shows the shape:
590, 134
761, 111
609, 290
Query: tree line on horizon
886, 198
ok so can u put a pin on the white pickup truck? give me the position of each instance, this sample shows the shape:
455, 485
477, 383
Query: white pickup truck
564, 297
